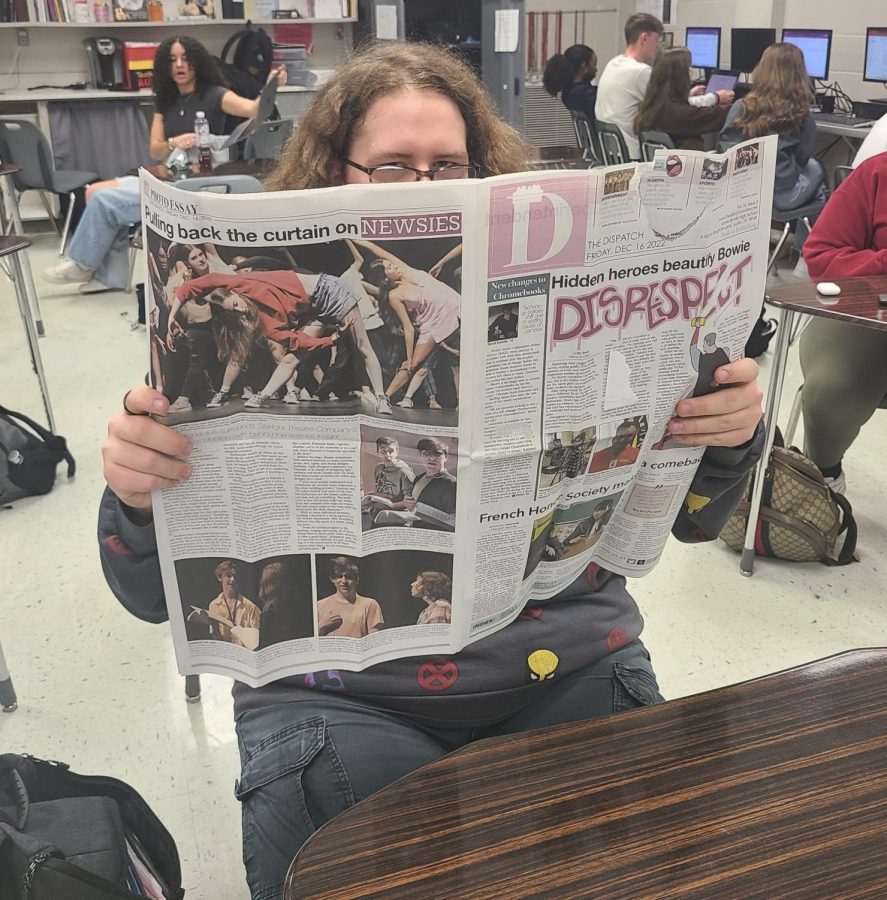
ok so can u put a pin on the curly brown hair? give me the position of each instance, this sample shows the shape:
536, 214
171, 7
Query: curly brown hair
324, 134
436, 586
780, 97
206, 71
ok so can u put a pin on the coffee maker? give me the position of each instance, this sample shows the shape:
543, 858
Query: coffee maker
105, 55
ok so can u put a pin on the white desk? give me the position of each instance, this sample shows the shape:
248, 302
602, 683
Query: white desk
851, 137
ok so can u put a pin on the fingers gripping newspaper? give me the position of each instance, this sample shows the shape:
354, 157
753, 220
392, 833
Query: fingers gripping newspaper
416, 407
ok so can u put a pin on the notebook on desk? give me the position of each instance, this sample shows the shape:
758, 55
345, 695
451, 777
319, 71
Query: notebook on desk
721, 81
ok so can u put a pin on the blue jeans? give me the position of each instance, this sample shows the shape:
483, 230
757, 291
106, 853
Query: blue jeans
305, 762
101, 242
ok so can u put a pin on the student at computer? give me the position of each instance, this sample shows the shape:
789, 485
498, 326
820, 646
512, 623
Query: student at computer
186, 79
666, 106
779, 103
845, 366
570, 74
622, 85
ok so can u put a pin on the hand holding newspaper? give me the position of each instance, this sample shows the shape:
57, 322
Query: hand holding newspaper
373, 441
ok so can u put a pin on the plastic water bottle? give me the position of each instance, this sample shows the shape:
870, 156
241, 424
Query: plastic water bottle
201, 141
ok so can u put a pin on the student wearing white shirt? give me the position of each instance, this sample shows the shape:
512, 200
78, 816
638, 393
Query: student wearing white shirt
623, 83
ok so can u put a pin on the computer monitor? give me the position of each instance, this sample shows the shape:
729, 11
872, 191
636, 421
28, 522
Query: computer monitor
747, 45
815, 44
875, 68
704, 45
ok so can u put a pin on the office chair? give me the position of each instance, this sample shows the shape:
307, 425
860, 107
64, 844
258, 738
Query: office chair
268, 139
651, 141
614, 150
586, 139
23, 144
800, 217
221, 184
841, 172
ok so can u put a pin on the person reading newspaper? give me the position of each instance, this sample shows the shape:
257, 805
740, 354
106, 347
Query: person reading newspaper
313, 745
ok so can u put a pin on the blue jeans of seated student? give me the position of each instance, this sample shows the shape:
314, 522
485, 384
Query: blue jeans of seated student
307, 761
101, 241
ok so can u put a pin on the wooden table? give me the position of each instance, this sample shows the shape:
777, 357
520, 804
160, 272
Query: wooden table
857, 304
775, 788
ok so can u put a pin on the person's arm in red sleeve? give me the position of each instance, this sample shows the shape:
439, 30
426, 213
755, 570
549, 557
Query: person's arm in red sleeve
841, 243
196, 287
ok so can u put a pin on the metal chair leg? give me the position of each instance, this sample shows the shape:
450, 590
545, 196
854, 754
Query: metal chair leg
192, 688
18, 228
31, 332
49, 211
8, 699
793, 418
67, 223
779, 243
133, 255
774, 391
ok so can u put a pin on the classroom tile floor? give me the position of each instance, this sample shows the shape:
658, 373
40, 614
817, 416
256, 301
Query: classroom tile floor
99, 689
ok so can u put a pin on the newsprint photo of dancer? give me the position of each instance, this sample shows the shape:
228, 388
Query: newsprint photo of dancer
333, 328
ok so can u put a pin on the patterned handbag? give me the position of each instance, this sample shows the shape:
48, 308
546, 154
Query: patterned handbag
801, 517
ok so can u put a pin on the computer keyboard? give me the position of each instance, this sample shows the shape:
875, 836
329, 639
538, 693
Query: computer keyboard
838, 119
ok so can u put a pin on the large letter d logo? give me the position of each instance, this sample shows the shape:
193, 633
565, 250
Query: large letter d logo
552, 224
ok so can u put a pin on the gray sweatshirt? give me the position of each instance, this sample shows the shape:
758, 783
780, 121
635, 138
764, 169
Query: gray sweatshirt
490, 679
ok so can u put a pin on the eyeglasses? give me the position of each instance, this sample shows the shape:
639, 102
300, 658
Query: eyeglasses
398, 173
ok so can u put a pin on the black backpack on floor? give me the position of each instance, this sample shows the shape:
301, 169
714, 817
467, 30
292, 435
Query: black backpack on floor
29, 456
65, 836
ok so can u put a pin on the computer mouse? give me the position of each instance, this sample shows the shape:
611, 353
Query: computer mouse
828, 289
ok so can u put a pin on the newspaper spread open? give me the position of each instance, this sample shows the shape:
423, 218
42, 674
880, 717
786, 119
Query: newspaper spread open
533, 332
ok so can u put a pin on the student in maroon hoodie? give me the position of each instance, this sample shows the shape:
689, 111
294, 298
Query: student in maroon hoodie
845, 366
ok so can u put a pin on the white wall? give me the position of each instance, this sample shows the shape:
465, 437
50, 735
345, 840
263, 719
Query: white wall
603, 25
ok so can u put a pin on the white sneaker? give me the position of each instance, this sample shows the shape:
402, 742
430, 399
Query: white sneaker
257, 401
837, 484
67, 272
433, 404
305, 396
182, 404
332, 396
247, 393
93, 287
383, 405
218, 399
406, 403
291, 397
